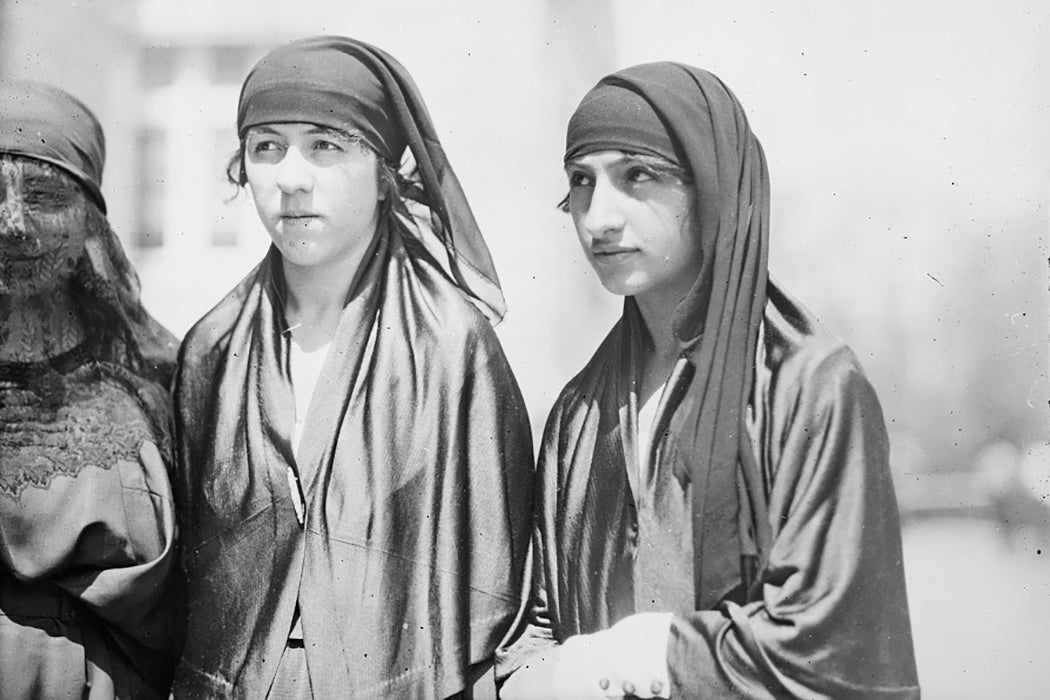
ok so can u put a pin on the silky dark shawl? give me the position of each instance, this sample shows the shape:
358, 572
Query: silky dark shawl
717, 322
831, 617
798, 586
416, 464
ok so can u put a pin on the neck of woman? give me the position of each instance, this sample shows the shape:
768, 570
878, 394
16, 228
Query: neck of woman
316, 296
660, 349
39, 327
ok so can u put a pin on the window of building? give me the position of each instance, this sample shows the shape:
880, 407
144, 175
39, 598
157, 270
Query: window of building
151, 147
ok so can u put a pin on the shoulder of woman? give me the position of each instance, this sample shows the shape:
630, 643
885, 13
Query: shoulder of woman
804, 361
818, 362
587, 386
211, 333
820, 378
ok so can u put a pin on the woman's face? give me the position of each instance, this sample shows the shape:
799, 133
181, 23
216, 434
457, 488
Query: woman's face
316, 191
636, 225
43, 216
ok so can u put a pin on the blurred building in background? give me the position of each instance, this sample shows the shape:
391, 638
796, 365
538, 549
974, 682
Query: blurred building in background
909, 156
164, 77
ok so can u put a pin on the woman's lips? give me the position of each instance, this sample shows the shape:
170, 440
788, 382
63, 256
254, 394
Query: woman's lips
611, 254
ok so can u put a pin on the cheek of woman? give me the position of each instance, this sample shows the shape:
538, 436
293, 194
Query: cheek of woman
42, 227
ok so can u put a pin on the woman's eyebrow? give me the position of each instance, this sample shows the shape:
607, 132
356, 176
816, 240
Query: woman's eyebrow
327, 131
577, 165
635, 158
580, 164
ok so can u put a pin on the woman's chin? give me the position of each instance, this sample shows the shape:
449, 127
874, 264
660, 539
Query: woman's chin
301, 253
618, 285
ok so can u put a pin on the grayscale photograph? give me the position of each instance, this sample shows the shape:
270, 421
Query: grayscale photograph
537, 350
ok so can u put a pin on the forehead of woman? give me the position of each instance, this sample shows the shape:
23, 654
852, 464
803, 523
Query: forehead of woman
678, 112
325, 81
46, 124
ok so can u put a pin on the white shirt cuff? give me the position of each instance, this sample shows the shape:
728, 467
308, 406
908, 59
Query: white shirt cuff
646, 635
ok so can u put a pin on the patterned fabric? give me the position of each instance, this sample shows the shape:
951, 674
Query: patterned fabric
53, 424
87, 532
88, 601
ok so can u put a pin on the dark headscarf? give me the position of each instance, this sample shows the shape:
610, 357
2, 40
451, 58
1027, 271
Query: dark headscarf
349, 85
43, 122
690, 117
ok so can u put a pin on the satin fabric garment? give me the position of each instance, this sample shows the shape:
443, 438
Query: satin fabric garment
416, 468
87, 531
831, 619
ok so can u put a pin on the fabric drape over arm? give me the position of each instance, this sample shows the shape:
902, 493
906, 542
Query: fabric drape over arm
832, 619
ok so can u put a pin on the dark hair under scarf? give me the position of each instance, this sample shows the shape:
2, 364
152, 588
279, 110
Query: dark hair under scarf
689, 117
346, 84
42, 122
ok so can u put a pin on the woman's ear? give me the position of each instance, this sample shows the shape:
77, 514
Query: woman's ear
384, 181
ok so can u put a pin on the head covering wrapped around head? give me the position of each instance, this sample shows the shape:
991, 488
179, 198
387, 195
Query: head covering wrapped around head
42, 122
349, 85
688, 116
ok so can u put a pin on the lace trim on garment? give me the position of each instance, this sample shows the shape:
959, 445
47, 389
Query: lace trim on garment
56, 424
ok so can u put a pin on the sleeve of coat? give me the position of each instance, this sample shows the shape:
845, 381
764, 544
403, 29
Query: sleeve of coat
499, 450
532, 632
832, 620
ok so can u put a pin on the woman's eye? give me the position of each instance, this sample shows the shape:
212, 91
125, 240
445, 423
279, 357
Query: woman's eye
579, 180
47, 194
264, 146
324, 145
639, 174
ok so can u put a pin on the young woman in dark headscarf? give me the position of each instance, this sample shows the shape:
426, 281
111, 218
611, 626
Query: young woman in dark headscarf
355, 457
715, 514
87, 520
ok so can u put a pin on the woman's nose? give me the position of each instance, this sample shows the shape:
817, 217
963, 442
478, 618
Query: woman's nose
603, 215
293, 172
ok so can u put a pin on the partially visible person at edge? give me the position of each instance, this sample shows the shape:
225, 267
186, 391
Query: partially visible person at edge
354, 453
87, 522
715, 514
